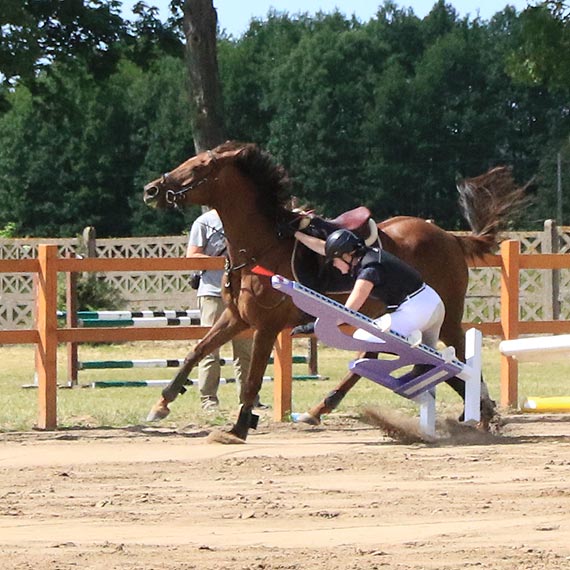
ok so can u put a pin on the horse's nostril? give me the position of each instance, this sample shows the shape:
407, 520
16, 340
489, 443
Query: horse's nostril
151, 192
150, 196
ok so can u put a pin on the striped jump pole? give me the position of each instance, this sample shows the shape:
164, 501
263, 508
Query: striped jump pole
128, 315
189, 382
162, 363
159, 383
148, 318
140, 322
92, 319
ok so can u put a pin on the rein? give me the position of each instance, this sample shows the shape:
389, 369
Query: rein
230, 268
249, 261
172, 196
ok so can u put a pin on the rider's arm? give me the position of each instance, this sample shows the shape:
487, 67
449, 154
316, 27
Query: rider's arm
314, 243
360, 292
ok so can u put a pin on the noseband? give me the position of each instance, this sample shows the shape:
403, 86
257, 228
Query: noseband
172, 197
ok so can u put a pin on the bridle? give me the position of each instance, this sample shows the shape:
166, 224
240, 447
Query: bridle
248, 262
172, 197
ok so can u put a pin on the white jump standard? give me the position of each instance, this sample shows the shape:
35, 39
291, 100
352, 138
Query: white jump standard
440, 366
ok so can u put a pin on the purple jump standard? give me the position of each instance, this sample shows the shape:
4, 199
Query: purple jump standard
402, 352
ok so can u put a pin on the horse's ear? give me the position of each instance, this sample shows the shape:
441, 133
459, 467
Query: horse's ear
227, 154
235, 152
239, 151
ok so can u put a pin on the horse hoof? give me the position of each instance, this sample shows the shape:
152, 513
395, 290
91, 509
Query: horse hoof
306, 418
158, 412
224, 437
488, 410
238, 433
490, 419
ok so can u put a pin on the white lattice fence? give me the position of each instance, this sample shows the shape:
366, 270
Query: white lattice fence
564, 236
153, 291
565, 294
156, 291
17, 290
27, 248
482, 303
160, 291
170, 246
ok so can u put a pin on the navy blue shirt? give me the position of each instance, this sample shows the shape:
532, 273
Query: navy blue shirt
392, 278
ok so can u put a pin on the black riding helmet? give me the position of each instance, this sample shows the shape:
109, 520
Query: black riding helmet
341, 242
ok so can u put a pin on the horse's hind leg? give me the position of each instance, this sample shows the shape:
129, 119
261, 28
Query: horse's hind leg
334, 397
224, 329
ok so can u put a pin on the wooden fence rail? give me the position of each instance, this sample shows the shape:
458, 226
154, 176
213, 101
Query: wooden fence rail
541, 291
46, 335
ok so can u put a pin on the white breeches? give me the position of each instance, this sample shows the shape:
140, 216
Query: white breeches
424, 312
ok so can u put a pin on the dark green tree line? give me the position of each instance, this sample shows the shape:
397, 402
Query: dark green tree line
386, 113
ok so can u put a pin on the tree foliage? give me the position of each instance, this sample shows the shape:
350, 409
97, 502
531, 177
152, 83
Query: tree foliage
542, 55
37, 33
387, 113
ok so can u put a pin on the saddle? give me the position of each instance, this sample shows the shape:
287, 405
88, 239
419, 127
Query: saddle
359, 220
310, 269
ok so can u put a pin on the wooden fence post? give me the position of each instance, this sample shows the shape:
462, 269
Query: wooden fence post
313, 356
90, 241
283, 375
46, 349
510, 262
550, 244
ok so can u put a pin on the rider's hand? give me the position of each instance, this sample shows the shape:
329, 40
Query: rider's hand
287, 229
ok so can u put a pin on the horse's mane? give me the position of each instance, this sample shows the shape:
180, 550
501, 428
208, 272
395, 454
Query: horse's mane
271, 180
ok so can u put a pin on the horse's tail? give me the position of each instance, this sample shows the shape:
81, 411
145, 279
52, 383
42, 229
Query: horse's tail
487, 202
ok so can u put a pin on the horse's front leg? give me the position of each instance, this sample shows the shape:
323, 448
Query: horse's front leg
333, 398
223, 330
263, 342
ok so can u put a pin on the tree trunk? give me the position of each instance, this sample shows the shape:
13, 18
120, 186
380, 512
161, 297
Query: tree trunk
200, 21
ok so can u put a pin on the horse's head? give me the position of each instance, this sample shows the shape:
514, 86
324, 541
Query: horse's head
191, 182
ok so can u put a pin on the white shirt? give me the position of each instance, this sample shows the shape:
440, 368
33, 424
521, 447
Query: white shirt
207, 233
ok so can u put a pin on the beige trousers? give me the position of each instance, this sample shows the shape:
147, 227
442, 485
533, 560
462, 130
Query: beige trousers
209, 368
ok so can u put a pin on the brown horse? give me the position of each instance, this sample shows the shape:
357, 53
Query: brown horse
250, 191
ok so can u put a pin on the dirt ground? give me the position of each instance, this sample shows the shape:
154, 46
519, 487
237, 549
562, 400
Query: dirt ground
338, 497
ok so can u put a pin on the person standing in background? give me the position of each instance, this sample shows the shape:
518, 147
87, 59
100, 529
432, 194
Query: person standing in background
207, 239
